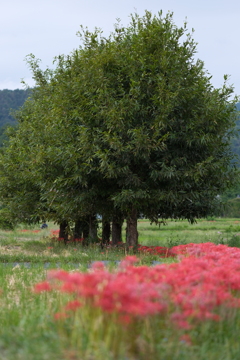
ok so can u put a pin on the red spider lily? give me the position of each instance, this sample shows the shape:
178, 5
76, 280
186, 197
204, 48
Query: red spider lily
60, 316
73, 305
180, 321
79, 240
162, 251
68, 288
98, 265
193, 290
125, 319
60, 239
54, 232
186, 338
43, 286
75, 240
128, 261
61, 275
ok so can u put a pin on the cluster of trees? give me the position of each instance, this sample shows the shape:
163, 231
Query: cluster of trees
125, 125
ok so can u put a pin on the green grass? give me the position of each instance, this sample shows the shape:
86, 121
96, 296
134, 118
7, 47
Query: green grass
27, 328
182, 232
29, 332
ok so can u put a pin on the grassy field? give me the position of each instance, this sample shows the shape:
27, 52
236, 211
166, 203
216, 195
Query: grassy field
217, 230
29, 331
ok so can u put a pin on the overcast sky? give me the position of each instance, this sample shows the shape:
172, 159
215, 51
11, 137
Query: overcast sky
48, 28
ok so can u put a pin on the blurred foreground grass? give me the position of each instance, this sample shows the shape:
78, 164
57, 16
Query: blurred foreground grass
27, 327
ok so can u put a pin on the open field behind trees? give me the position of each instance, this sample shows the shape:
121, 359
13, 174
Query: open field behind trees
30, 330
214, 229
29, 244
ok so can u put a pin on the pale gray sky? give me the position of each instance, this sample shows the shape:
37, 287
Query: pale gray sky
48, 28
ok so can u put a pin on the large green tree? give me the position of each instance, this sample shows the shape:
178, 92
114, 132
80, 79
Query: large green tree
41, 155
130, 124
158, 129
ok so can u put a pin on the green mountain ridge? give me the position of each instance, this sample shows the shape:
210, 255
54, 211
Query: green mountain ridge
11, 100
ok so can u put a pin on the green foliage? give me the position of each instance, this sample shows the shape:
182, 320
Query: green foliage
129, 122
6, 221
232, 208
231, 193
156, 126
3, 135
234, 241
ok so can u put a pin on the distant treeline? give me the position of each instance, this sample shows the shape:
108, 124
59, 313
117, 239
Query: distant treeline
236, 140
11, 100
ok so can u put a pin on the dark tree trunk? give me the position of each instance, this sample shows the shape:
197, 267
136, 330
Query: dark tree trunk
92, 227
117, 223
85, 228
63, 231
78, 229
106, 230
131, 231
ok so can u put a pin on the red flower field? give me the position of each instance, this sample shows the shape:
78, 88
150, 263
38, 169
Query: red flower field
204, 281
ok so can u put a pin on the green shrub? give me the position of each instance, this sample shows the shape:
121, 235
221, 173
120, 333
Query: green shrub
6, 222
234, 241
232, 209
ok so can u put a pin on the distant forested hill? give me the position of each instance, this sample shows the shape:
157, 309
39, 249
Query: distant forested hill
236, 140
11, 100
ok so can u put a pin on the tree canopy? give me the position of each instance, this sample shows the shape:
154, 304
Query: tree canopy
124, 125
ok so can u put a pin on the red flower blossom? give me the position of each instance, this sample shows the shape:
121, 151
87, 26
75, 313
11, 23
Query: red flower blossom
190, 291
73, 305
97, 265
60, 316
43, 286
